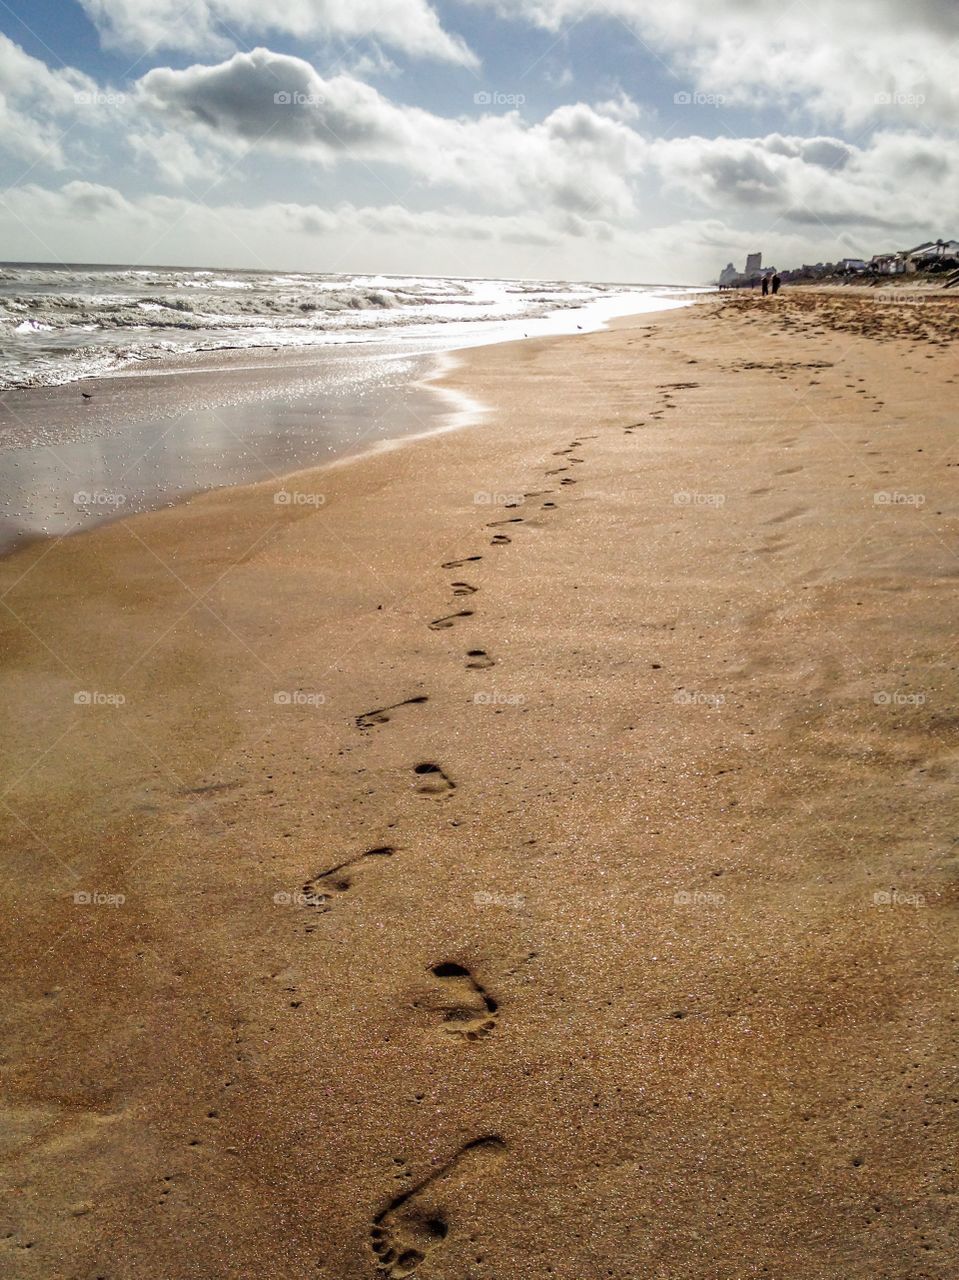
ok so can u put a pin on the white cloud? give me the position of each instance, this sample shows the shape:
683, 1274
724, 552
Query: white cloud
576, 159
897, 181
852, 61
91, 200
370, 64
593, 162
37, 106
173, 158
621, 107
281, 101
102, 224
581, 191
219, 26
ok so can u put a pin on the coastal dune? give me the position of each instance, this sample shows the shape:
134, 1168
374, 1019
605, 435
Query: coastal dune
526, 852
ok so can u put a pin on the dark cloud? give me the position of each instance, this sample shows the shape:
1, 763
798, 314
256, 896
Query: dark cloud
746, 177
275, 98
845, 218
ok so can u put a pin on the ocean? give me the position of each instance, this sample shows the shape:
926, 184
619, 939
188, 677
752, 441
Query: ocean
123, 389
60, 324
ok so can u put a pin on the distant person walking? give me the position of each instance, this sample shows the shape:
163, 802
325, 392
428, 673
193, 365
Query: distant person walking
765, 286
777, 283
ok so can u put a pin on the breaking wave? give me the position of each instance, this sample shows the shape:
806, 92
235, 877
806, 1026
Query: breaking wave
60, 324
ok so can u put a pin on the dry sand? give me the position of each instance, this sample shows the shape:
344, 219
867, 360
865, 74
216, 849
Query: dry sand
570, 962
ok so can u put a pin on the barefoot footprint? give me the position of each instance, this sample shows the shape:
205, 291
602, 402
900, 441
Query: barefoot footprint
467, 1010
382, 714
441, 624
322, 888
433, 781
417, 1222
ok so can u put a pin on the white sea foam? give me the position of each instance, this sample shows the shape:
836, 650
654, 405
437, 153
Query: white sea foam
59, 324
32, 326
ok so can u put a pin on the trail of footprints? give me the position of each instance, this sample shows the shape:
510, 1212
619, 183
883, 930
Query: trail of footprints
415, 1223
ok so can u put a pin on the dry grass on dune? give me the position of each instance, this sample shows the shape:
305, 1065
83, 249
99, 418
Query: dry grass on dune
920, 317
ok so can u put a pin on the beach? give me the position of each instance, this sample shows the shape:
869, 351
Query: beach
527, 851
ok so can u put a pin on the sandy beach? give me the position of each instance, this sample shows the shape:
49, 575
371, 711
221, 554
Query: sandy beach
528, 852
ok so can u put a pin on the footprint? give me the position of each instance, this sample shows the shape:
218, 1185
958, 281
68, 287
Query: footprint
549, 506
458, 564
322, 888
567, 481
210, 789
479, 660
416, 1222
441, 624
464, 589
556, 471
772, 546
500, 540
433, 781
794, 513
370, 718
467, 1010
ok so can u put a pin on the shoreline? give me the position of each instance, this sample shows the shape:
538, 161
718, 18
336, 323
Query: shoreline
269, 414
546, 836
418, 338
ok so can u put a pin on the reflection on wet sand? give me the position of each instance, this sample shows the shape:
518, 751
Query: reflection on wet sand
68, 461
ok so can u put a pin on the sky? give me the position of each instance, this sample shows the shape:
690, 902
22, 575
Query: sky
610, 140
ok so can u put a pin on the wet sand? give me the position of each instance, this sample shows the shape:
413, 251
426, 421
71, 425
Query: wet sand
537, 859
141, 442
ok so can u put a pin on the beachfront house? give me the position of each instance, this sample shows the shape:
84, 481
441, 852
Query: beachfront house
934, 253
889, 264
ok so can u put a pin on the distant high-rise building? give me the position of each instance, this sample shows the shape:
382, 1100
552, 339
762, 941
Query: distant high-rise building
754, 263
728, 275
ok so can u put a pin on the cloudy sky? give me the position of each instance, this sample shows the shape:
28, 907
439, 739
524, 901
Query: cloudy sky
639, 140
